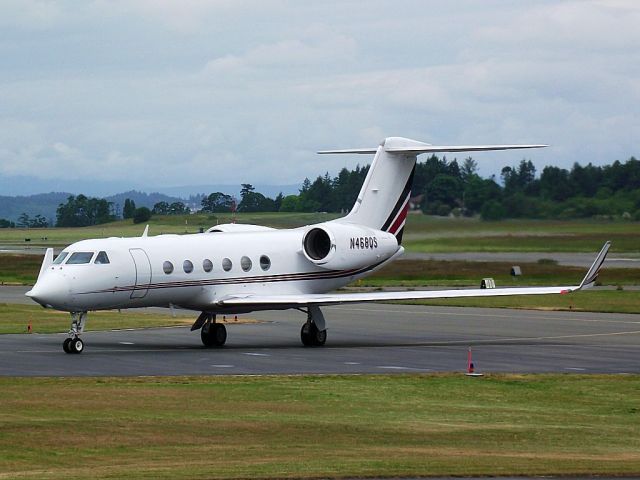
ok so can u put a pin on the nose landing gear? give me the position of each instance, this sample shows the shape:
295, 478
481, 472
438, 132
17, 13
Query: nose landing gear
73, 344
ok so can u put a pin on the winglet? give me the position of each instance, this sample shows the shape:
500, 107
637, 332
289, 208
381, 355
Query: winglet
146, 231
592, 275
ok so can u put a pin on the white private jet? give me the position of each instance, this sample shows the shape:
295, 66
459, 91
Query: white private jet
232, 268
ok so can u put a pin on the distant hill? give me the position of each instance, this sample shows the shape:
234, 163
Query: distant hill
142, 199
45, 204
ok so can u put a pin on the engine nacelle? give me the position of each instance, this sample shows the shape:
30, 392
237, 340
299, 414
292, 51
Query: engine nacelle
339, 246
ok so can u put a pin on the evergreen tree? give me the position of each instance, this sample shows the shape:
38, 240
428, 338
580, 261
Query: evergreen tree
129, 209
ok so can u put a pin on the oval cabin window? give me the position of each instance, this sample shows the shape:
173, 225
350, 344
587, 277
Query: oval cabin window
245, 264
207, 265
226, 264
187, 266
265, 263
167, 267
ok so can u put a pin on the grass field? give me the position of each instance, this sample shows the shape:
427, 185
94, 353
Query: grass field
423, 233
15, 318
463, 273
319, 427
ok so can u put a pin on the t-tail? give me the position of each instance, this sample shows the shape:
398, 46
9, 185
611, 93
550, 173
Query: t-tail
383, 201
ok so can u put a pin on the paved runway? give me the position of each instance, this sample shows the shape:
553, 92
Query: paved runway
367, 338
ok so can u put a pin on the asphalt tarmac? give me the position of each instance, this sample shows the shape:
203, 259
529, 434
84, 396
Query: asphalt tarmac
367, 338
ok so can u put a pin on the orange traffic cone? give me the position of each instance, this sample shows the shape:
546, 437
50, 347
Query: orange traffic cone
29, 328
470, 367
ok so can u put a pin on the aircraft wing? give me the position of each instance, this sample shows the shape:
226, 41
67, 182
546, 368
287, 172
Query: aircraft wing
337, 298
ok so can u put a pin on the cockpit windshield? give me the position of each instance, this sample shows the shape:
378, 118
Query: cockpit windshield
60, 258
79, 258
101, 258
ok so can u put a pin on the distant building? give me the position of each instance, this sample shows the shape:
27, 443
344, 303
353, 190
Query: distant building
415, 203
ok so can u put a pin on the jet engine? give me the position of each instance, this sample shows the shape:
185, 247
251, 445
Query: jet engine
337, 246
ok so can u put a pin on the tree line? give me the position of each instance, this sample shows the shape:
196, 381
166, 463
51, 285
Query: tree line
440, 187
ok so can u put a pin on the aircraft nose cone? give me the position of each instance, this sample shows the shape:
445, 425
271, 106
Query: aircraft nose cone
49, 291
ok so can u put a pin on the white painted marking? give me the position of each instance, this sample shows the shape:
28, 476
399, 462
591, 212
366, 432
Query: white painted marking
352, 363
575, 368
256, 354
127, 343
393, 367
222, 366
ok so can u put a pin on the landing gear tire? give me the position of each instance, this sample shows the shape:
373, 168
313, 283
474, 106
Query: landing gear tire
77, 345
311, 336
213, 334
73, 345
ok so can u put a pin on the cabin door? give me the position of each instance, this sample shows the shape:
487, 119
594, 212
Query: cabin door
143, 272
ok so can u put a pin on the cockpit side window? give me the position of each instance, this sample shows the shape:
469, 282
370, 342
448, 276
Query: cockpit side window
102, 258
60, 258
79, 258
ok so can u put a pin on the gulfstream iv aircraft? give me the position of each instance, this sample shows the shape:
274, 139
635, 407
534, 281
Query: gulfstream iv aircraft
232, 269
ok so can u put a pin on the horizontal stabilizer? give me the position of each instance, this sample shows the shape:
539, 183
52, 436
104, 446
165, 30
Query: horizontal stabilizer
406, 145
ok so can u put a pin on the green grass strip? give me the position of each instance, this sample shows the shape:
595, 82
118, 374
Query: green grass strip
15, 318
319, 426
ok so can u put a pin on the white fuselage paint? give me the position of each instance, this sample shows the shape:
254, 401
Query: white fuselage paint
135, 277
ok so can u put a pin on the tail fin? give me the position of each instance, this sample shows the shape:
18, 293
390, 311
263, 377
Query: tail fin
383, 201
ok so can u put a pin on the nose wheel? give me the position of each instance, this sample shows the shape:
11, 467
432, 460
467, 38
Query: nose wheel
73, 344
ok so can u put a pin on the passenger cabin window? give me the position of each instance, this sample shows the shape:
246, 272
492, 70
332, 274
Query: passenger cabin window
60, 258
245, 264
187, 266
167, 267
79, 258
207, 265
265, 263
102, 258
226, 264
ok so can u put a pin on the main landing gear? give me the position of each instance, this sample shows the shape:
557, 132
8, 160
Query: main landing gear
212, 334
73, 344
314, 332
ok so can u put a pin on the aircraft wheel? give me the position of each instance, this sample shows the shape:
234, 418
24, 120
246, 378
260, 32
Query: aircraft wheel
75, 345
305, 334
213, 334
320, 338
205, 335
66, 345
219, 334
311, 336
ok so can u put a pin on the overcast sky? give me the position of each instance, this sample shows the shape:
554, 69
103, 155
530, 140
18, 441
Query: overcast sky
158, 92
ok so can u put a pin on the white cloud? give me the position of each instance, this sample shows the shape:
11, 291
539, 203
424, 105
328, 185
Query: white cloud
162, 92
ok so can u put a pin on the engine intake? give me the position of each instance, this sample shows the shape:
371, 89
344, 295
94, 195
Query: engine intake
317, 244
342, 246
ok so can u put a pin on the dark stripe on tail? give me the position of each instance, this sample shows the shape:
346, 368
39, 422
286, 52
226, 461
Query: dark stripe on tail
406, 191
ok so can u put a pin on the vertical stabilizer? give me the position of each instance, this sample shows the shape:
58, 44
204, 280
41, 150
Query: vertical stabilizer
383, 201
